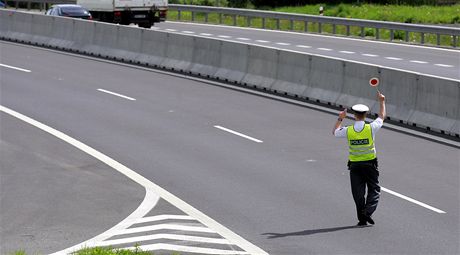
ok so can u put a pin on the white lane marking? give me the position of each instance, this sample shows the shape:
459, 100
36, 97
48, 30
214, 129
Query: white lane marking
239, 134
325, 49
206, 34
370, 55
188, 32
162, 236
262, 41
147, 184
393, 58
347, 52
224, 36
303, 46
170, 30
180, 248
155, 28
163, 226
418, 62
243, 39
412, 200
116, 94
16, 68
443, 65
159, 218
282, 43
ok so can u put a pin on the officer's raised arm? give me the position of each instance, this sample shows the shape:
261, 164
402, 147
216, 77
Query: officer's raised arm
383, 111
338, 123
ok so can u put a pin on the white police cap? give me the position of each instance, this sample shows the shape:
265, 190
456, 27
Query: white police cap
360, 108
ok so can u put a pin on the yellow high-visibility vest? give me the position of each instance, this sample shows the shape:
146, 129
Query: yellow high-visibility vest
361, 144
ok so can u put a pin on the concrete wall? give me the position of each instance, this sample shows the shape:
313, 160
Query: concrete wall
414, 99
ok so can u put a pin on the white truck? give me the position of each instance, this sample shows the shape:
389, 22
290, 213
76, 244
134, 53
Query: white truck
142, 12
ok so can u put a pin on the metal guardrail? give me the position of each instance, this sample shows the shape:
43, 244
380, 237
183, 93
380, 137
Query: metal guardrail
321, 21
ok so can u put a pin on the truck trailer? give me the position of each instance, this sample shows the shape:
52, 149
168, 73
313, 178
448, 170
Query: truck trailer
144, 13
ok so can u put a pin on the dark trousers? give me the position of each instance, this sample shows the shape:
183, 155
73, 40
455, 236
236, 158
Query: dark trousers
365, 174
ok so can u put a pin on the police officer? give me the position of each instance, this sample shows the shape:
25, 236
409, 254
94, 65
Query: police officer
362, 158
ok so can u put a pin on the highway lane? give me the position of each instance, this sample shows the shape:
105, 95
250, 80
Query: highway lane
288, 195
426, 60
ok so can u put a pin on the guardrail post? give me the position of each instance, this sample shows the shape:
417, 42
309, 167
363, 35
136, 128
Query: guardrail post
263, 23
406, 37
248, 21
234, 20
29, 4
333, 29
348, 30
377, 33
206, 17
362, 32
306, 26
422, 38
193, 16
277, 24
438, 39
320, 27
220, 18
179, 16
291, 25
454, 41
392, 35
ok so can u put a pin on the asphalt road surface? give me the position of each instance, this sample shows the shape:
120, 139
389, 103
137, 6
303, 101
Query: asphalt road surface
284, 187
425, 60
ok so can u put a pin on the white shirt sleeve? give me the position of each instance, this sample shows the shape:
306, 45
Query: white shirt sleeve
376, 125
341, 132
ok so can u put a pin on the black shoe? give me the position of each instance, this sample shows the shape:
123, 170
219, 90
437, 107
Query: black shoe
361, 223
369, 219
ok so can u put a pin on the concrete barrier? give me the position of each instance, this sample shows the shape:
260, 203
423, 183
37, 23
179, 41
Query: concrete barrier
83, 36
424, 101
326, 80
293, 73
19, 26
206, 57
400, 89
233, 62
437, 104
179, 53
356, 88
62, 33
154, 46
262, 67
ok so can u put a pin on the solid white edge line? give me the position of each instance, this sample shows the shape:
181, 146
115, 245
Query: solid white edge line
149, 186
16, 68
412, 200
116, 94
318, 35
239, 134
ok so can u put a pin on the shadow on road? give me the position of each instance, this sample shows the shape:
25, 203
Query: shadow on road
311, 232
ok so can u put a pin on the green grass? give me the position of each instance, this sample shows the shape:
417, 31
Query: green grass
407, 14
398, 13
